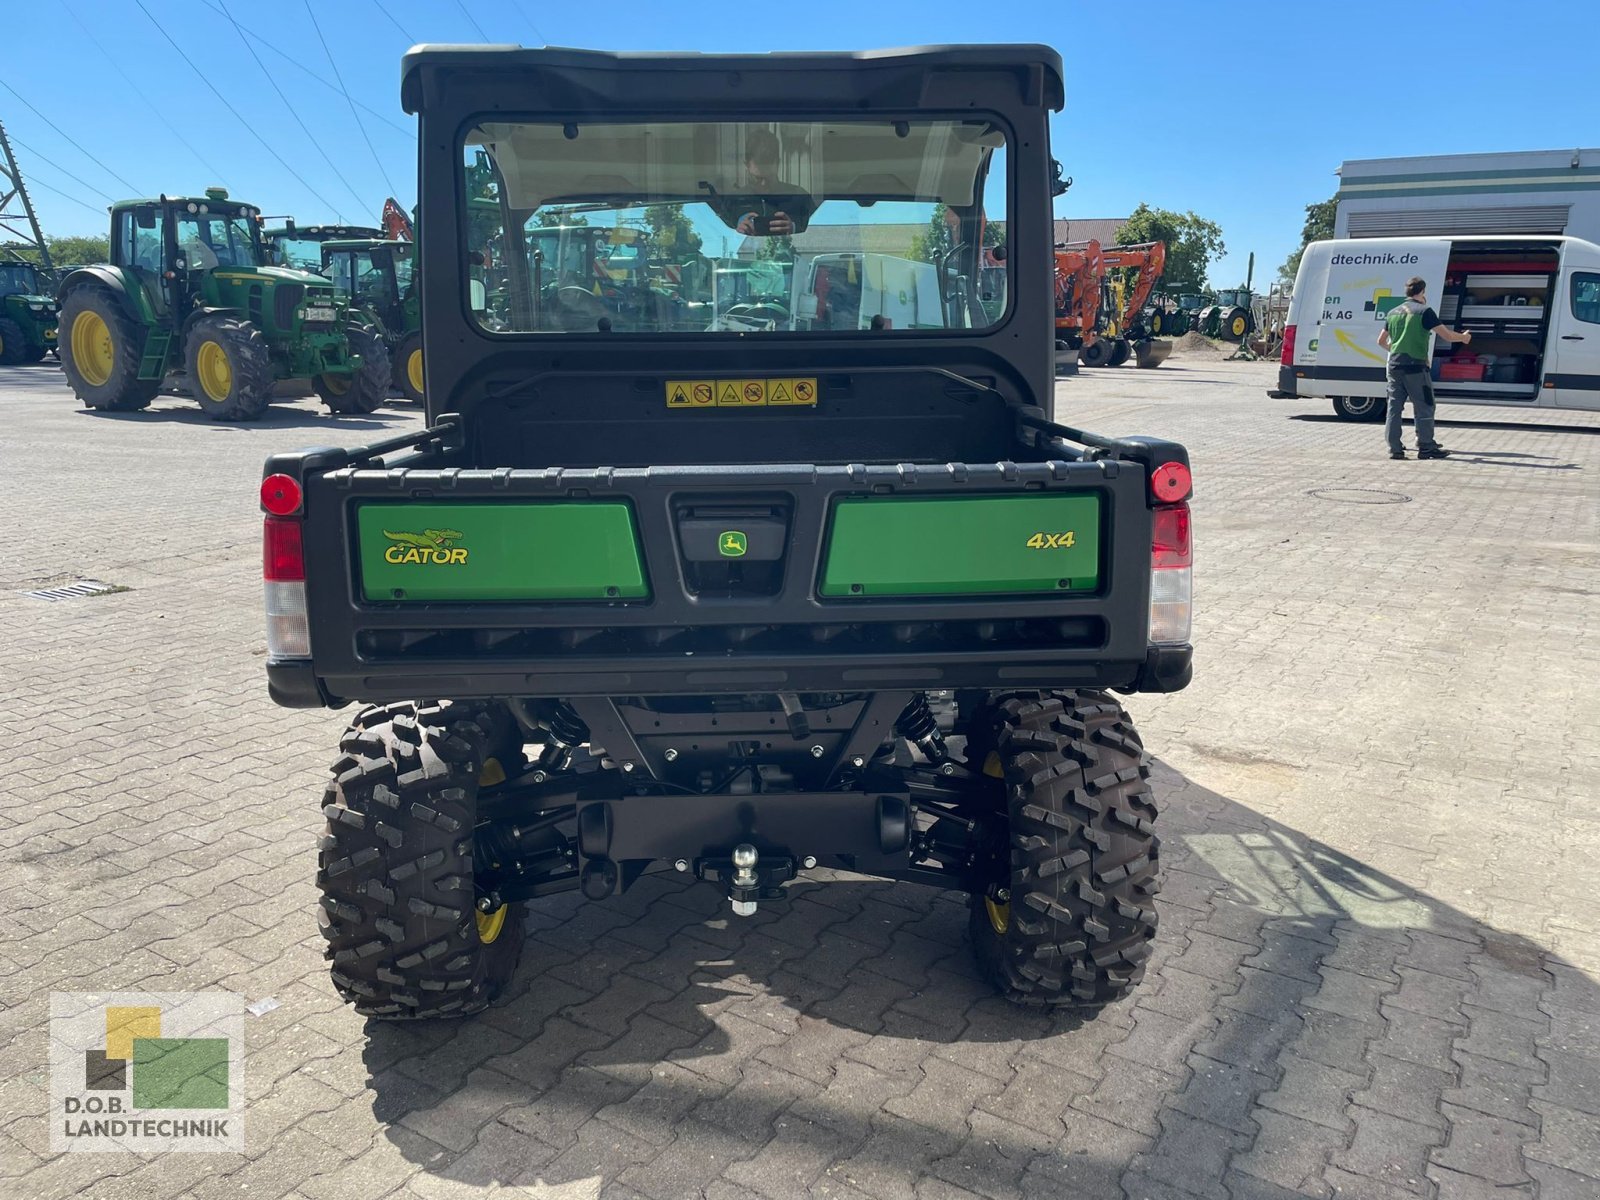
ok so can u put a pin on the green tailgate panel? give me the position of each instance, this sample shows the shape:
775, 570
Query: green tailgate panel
969, 545
564, 550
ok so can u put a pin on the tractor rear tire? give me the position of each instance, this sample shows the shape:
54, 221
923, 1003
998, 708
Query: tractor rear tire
1120, 352
100, 346
1238, 326
1072, 924
1157, 319
399, 910
13, 346
1096, 354
408, 367
368, 387
230, 374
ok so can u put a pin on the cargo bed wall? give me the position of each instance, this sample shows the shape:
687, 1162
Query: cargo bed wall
697, 628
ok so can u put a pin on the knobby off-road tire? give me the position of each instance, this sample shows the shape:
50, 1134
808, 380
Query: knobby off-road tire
368, 387
100, 346
13, 345
398, 904
1084, 870
407, 367
230, 372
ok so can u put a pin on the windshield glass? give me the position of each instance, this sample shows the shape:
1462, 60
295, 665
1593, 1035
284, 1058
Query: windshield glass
698, 227
18, 279
363, 274
207, 240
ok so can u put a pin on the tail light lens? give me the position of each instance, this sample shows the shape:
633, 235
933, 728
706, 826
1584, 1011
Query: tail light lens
1171, 575
283, 570
1287, 357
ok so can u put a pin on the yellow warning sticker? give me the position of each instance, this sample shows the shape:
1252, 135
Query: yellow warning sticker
690, 393
740, 393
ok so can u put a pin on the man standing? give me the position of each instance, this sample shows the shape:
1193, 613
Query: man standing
1406, 335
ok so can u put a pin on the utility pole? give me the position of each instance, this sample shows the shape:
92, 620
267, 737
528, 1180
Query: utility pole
15, 207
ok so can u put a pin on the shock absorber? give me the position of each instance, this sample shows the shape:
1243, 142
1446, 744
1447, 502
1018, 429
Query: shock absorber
565, 732
917, 725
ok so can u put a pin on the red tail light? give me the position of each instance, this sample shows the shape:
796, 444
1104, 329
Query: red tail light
280, 494
283, 558
1287, 357
1169, 537
1171, 482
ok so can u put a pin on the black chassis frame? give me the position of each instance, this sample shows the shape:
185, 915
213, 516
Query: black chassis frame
871, 657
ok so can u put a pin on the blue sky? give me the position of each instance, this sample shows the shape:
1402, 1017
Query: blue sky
1240, 112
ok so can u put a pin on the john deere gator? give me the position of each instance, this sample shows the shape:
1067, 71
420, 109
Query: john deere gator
186, 292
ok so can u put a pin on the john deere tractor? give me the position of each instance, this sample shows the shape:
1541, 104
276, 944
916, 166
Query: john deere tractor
186, 291
27, 316
375, 276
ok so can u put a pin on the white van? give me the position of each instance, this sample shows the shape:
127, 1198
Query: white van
846, 291
1531, 303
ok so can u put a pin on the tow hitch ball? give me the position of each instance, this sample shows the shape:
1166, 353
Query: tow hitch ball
744, 890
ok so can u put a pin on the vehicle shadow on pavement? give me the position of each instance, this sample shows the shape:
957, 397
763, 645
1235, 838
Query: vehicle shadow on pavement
1455, 423
181, 411
1307, 1023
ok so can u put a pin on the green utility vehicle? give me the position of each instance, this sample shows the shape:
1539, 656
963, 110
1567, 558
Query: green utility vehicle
375, 276
186, 291
737, 604
27, 315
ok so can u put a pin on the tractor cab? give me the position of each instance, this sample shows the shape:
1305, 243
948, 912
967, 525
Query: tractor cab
27, 315
173, 244
373, 275
300, 246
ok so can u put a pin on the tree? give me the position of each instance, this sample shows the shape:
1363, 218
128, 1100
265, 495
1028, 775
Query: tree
1193, 243
671, 232
64, 251
940, 237
1318, 227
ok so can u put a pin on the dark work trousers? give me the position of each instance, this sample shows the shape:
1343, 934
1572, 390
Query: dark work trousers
1411, 383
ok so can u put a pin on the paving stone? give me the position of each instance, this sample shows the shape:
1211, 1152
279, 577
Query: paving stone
1495, 1088
1289, 1152
1484, 1147
1314, 1092
1389, 1149
1567, 1139
1088, 1161
1405, 1089
1190, 1154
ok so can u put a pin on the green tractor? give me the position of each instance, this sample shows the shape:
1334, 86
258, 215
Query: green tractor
1229, 316
27, 315
300, 246
186, 291
374, 275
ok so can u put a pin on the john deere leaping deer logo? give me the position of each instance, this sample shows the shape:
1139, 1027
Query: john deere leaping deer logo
435, 547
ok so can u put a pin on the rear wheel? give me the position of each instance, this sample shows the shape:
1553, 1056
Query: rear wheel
1071, 921
408, 367
100, 346
1360, 408
407, 934
1156, 323
1238, 326
1096, 354
1120, 350
13, 347
230, 375
363, 390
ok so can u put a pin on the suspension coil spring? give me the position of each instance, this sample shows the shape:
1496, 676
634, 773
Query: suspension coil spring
917, 725
566, 732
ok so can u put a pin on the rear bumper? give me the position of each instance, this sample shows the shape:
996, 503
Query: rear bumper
1286, 389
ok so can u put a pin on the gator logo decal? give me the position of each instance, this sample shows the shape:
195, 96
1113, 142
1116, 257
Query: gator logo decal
434, 547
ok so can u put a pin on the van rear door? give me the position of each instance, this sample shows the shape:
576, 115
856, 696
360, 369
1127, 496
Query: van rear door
1365, 280
1573, 354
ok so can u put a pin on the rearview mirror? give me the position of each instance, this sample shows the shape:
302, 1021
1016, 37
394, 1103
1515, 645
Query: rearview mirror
145, 216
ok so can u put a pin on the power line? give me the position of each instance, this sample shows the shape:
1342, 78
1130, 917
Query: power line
35, 181
382, 170
470, 19
311, 137
69, 137
537, 32
154, 107
384, 9
301, 67
232, 109
62, 169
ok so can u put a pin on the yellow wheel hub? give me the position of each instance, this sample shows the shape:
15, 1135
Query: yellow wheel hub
999, 913
1238, 327
214, 370
337, 384
92, 351
490, 924
414, 370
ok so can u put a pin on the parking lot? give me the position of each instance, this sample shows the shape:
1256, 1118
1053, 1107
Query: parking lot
1378, 967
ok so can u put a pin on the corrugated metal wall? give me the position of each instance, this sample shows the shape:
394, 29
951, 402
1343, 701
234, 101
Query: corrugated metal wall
1518, 218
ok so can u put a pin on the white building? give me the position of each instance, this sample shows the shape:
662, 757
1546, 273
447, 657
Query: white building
1527, 191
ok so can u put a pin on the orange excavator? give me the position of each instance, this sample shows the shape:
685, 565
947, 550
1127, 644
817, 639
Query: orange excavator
1080, 270
1123, 328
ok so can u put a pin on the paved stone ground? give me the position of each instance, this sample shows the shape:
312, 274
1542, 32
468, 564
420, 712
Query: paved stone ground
1377, 969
